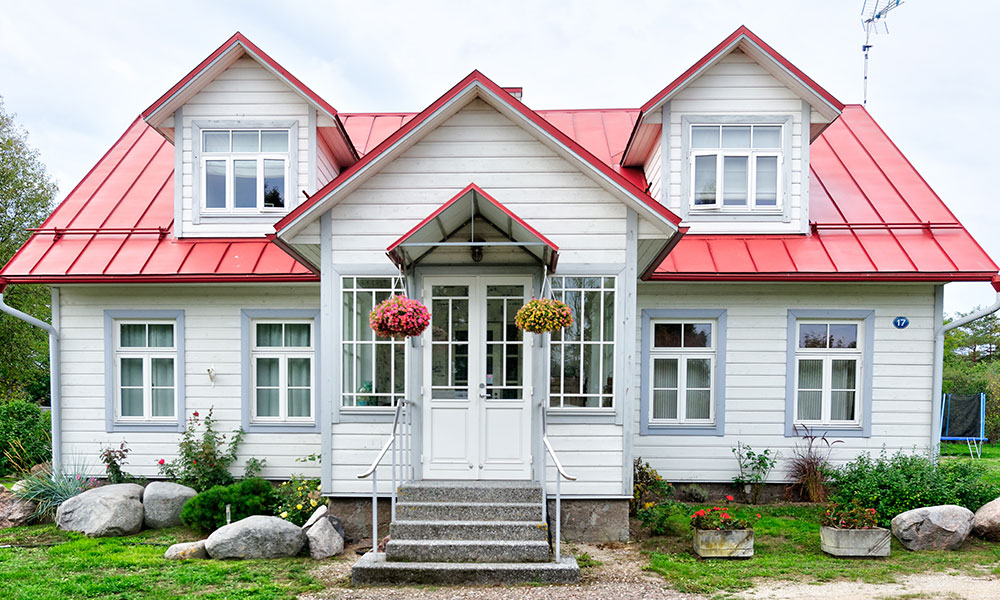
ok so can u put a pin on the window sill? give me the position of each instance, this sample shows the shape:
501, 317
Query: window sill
281, 427
147, 426
708, 429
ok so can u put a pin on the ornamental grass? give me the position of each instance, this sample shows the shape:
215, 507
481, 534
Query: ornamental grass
543, 315
399, 316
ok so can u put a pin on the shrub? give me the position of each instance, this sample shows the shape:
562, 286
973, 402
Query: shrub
655, 516
299, 498
114, 460
849, 516
206, 512
24, 435
647, 486
718, 518
902, 482
809, 466
754, 467
48, 490
204, 463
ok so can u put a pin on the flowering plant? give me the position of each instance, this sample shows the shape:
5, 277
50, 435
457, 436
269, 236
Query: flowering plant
299, 499
719, 518
850, 516
399, 316
541, 315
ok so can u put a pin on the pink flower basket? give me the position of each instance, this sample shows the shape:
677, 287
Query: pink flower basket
399, 316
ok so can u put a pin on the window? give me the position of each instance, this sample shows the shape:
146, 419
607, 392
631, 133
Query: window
736, 167
828, 364
283, 373
244, 170
682, 359
145, 371
374, 368
583, 355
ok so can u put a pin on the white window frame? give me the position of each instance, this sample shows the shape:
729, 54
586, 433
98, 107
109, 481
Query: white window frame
682, 355
751, 154
828, 355
259, 157
283, 354
349, 399
147, 354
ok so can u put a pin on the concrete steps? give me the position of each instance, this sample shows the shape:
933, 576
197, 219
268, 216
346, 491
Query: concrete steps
374, 569
469, 530
477, 551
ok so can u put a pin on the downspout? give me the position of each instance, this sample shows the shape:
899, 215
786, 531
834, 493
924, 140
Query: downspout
55, 369
940, 330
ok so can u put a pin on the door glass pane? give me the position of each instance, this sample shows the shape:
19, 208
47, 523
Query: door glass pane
161, 336
274, 141
698, 404
163, 402
812, 335
215, 141
133, 336
441, 291
665, 404
246, 141
215, 184
494, 320
460, 320
274, 183
667, 335
697, 335
297, 335
162, 372
766, 193
460, 366
268, 335
843, 336
131, 402
705, 136
494, 291
439, 365
767, 136
245, 183
699, 373
514, 333
592, 316
131, 375
734, 183
704, 179
299, 403
736, 137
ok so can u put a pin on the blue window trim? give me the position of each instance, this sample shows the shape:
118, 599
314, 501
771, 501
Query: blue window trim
247, 315
719, 427
110, 424
868, 317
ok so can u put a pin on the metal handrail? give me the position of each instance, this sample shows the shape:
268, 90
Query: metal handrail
561, 473
403, 464
555, 459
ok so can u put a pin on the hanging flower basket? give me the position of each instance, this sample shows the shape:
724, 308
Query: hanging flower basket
543, 315
399, 316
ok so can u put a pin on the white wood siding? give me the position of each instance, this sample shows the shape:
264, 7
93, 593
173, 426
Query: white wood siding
213, 339
592, 453
757, 323
653, 169
326, 167
243, 92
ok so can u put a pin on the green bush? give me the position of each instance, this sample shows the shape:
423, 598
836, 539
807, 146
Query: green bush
299, 498
204, 462
206, 512
24, 435
902, 482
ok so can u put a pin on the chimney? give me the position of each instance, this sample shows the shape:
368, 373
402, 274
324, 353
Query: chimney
513, 91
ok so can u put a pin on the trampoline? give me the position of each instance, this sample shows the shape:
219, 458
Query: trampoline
963, 419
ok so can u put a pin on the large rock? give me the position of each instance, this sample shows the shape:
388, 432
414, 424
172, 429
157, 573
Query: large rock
324, 540
163, 502
933, 527
987, 521
256, 537
187, 550
13, 510
112, 510
324, 511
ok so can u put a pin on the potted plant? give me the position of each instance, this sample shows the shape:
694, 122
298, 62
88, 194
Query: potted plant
543, 315
852, 530
718, 534
399, 316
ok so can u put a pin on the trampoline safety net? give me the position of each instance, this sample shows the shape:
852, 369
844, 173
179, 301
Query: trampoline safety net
962, 416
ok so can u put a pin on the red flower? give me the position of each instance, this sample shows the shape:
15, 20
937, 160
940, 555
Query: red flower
196, 413
758, 515
194, 462
729, 498
701, 513
161, 461
725, 516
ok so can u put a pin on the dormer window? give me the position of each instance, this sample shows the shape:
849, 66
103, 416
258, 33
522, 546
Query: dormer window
244, 170
736, 167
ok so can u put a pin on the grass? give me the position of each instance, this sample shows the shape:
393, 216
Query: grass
786, 547
65, 565
990, 461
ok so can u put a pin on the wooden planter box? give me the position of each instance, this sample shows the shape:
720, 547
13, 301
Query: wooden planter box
855, 542
735, 543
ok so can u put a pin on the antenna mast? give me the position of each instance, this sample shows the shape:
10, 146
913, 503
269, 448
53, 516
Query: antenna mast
870, 20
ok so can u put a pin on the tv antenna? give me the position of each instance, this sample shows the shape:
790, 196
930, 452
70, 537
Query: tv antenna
871, 20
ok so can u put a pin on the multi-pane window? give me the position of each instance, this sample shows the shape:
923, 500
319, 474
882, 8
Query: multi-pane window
373, 368
146, 373
244, 170
682, 361
283, 375
828, 361
583, 355
736, 166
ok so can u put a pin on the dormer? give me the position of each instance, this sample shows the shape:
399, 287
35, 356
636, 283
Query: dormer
726, 144
251, 142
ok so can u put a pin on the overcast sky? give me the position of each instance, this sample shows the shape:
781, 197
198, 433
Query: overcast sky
76, 74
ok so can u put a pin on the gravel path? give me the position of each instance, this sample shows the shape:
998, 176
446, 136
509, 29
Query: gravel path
931, 586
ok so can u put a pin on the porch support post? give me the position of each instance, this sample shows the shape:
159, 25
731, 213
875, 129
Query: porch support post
415, 381
539, 396
329, 373
627, 346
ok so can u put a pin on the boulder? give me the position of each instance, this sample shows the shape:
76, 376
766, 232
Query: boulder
187, 550
13, 510
324, 540
324, 511
108, 511
256, 537
987, 521
933, 527
163, 502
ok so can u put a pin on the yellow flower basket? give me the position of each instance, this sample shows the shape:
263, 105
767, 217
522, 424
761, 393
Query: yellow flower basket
542, 315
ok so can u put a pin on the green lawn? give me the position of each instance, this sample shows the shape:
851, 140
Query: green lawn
990, 462
786, 546
66, 565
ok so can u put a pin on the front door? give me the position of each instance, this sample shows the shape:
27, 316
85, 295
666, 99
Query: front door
476, 377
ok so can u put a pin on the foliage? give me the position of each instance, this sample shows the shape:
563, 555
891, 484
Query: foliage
809, 466
49, 489
26, 195
114, 459
542, 315
253, 467
399, 316
586, 561
754, 468
695, 493
647, 486
299, 498
206, 512
902, 482
655, 516
719, 518
849, 516
204, 463
24, 435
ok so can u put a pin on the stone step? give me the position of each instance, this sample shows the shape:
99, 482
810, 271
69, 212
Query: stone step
471, 491
467, 551
374, 569
468, 511
469, 530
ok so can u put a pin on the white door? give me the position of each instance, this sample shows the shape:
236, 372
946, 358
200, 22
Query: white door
476, 377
